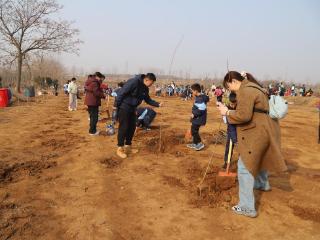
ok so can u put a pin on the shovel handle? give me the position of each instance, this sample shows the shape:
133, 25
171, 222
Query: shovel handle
229, 155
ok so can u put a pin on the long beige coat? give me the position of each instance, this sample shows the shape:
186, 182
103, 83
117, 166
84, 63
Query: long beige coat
259, 141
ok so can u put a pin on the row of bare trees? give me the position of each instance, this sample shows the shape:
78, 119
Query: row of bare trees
29, 29
35, 69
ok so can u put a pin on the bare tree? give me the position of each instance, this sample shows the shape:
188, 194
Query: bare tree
30, 26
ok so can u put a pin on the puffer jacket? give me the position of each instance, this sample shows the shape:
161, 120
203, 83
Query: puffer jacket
94, 92
199, 110
131, 95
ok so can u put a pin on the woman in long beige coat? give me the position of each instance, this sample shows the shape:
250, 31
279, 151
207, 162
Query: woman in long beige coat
258, 139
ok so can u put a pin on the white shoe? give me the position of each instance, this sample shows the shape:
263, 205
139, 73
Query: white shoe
95, 134
244, 211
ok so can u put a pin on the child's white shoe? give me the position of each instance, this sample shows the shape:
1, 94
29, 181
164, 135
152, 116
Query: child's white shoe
199, 146
192, 146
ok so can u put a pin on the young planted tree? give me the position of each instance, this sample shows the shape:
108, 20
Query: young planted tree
31, 26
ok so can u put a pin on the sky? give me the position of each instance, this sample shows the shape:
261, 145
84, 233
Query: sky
277, 39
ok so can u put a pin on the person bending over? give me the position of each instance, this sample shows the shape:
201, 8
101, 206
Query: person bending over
145, 117
129, 97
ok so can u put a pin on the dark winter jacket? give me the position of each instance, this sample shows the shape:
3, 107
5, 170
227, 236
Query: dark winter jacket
232, 132
232, 129
199, 110
94, 93
131, 95
146, 119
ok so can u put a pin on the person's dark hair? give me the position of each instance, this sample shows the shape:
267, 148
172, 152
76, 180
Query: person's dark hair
236, 75
196, 87
233, 97
120, 84
73, 79
99, 75
151, 76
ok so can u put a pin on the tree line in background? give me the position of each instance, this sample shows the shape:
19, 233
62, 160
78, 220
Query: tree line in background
29, 29
40, 72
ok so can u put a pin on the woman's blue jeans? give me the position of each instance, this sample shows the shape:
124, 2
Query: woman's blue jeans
247, 183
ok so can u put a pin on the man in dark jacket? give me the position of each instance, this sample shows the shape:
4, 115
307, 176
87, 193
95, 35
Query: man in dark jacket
198, 117
94, 93
129, 97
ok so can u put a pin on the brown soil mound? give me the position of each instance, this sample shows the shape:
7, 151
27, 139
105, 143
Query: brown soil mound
168, 142
18, 170
173, 181
306, 213
15, 220
216, 191
217, 137
111, 162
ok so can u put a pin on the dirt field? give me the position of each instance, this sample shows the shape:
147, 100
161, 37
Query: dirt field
57, 182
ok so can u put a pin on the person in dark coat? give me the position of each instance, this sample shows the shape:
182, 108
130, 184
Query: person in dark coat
94, 93
231, 129
145, 117
115, 94
198, 117
129, 97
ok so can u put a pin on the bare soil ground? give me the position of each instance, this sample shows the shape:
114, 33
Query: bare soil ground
57, 182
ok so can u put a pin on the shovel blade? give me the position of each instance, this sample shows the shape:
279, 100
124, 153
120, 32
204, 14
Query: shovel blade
227, 174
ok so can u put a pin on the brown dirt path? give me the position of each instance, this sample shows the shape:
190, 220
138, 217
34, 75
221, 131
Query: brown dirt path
57, 182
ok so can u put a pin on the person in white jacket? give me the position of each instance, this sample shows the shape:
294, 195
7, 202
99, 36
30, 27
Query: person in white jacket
73, 90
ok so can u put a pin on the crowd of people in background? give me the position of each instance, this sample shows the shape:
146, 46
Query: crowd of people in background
293, 90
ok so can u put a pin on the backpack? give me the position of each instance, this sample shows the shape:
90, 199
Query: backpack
278, 106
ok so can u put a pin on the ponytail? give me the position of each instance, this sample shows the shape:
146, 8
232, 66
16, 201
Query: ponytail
240, 77
250, 78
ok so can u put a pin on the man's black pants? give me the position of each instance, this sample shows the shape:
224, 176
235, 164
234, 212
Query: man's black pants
94, 116
127, 127
195, 133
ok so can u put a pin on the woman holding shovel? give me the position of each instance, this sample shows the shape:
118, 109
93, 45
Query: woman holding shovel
258, 139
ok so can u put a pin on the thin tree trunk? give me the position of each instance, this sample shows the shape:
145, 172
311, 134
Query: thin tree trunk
20, 59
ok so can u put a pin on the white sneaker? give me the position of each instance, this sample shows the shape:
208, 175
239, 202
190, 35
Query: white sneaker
244, 211
192, 146
95, 134
199, 146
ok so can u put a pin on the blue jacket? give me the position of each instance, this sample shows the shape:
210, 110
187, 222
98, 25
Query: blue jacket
131, 95
199, 110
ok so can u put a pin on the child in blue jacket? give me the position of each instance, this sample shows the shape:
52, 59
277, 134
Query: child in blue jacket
198, 117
